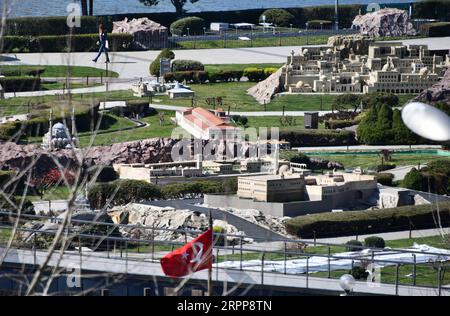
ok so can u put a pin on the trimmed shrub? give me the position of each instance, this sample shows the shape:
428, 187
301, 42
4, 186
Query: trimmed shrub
190, 189
278, 17
225, 76
351, 245
435, 29
51, 25
269, 71
385, 178
340, 124
374, 242
317, 24
18, 84
254, 74
105, 173
187, 65
122, 192
188, 76
369, 222
19, 71
359, 273
432, 9
155, 65
386, 166
195, 25
59, 43
306, 137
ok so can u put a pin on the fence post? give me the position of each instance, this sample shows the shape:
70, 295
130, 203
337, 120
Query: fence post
241, 255
262, 268
314, 232
414, 269
440, 280
397, 269
153, 242
329, 263
107, 247
307, 271
285, 256
34, 247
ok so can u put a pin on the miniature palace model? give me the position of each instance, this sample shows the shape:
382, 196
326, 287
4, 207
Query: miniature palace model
388, 67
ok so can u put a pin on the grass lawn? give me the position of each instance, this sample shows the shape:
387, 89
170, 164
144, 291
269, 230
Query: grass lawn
257, 42
151, 131
63, 71
53, 193
370, 161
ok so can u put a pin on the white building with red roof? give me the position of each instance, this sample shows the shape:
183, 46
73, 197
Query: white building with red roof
207, 124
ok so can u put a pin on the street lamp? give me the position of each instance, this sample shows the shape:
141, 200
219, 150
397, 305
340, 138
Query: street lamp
347, 282
188, 31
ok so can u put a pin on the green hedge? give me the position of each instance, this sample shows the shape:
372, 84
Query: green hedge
368, 222
52, 25
187, 65
225, 76
38, 125
14, 71
432, 9
435, 29
35, 26
18, 84
134, 107
385, 178
195, 25
317, 24
122, 192
59, 43
188, 76
306, 137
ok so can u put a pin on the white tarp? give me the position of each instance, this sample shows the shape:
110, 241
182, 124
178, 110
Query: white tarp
318, 264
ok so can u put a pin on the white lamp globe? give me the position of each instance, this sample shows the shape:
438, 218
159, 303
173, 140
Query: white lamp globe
347, 282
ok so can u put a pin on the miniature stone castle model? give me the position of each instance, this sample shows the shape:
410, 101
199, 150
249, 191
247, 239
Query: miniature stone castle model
379, 67
388, 67
58, 136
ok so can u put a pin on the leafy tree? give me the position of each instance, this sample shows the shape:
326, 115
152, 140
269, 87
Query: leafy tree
413, 180
278, 17
374, 242
178, 4
346, 100
379, 98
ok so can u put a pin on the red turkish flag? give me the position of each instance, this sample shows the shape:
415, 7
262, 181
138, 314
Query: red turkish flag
194, 256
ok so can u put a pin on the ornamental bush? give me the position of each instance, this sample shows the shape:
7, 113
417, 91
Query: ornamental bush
155, 65
254, 74
374, 242
385, 178
195, 25
278, 17
18, 84
351, 245
187, 65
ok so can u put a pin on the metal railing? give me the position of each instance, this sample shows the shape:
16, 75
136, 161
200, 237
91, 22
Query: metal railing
151, 249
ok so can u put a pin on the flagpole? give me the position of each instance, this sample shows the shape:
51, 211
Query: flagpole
211, 249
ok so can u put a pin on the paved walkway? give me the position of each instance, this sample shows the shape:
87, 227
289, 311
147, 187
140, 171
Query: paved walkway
400, 172
136, 64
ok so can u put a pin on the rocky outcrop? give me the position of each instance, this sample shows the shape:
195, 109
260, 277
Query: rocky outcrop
384, 22
439, 92
358, 44
19, 157
265, 90
319, 163
147, 33
162, 218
